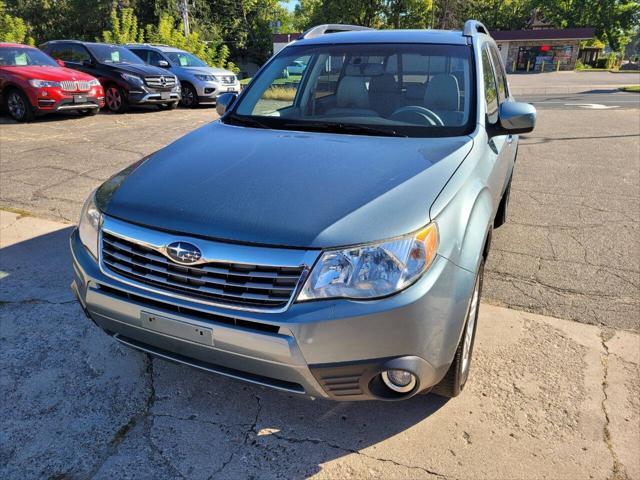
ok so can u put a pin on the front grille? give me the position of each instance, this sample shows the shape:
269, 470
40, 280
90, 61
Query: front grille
229, 283
160, 81
228, 79
75, 86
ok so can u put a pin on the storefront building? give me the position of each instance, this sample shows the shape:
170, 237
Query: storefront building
541, 50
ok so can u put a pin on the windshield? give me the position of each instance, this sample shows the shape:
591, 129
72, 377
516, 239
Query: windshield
184, 59
25, 57
415, 90
114, 54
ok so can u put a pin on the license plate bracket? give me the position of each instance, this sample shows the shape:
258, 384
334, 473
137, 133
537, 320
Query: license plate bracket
176, 328
165, 95
79, 99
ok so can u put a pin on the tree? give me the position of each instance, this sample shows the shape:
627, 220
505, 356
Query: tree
124, 28
169, 31
13, 29
614, 20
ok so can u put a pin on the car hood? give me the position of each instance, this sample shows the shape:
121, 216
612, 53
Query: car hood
286, 188
54, 74
139, 69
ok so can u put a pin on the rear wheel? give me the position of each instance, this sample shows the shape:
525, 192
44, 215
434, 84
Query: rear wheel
19, 107
454, 381
189, 96
116, 99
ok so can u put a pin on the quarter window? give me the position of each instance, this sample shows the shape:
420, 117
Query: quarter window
490, 87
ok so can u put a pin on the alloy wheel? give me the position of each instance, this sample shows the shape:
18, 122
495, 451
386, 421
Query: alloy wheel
16, 105
113, 98
188, 97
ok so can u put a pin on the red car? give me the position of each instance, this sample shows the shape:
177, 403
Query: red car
31, 83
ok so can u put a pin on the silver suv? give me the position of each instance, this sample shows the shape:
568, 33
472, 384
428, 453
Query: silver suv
327, 236
200, 82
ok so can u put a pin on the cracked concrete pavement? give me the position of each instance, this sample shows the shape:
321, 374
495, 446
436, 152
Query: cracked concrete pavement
547, 398
571, 248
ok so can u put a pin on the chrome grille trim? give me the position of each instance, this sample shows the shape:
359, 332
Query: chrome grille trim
228, 79
133, 255
75, 86
160, 81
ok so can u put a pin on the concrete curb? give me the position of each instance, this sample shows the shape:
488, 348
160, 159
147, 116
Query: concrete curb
547, 398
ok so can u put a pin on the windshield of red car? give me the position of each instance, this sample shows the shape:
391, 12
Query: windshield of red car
25, 57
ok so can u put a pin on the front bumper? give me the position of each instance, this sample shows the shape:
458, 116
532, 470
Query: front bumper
55, 101
330, 348
140, 96
210, 91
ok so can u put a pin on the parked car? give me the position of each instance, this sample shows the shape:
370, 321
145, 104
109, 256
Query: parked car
329, 243
296, 68
126, 79
32, 83
200, 82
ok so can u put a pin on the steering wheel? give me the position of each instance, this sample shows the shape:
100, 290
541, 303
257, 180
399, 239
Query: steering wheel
411, 112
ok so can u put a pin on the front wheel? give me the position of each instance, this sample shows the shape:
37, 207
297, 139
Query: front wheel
189, 96
116, 99
456, 378
19, 107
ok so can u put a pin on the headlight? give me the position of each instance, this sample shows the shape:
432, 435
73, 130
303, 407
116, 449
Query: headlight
136, 80
373, 270
89, 225
207, 78
94, 83
43, 83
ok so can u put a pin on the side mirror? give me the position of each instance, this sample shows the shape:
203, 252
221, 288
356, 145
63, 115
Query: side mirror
163, 64
87, 63
517, 117
60, 62
224, 102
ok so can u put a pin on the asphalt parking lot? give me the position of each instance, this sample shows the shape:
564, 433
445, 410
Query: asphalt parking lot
549, 397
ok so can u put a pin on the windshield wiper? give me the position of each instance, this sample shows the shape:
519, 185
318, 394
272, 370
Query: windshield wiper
344, 128
246, 122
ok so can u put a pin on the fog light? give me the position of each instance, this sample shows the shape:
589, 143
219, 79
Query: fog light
399, 380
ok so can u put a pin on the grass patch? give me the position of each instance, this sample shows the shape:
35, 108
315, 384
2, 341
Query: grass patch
279, 93
244, 81
632, 88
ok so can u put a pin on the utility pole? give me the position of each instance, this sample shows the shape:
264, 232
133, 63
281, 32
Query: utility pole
183, 6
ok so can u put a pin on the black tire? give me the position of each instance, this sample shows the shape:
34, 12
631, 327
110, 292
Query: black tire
116, 99
168, 106
189, 96
89, 112
503, 208
19, 106
456, 378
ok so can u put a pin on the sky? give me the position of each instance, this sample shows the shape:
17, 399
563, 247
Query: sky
290, 5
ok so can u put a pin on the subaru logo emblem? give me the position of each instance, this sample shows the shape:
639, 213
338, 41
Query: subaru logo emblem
183, 252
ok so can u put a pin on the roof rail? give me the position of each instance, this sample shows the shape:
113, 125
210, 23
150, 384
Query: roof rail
319, 30
473, 27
